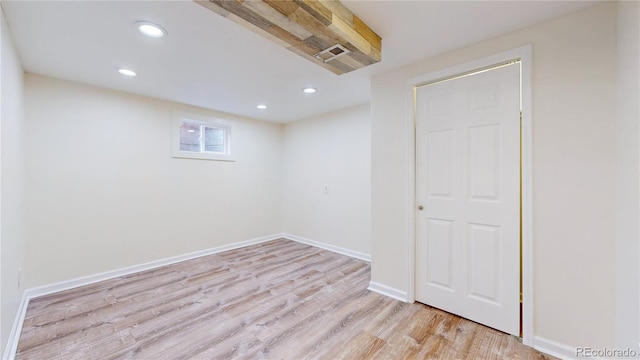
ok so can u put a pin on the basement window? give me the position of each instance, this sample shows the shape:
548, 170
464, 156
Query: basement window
197, 136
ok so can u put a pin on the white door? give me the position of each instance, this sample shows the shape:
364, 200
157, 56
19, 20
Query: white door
468, 187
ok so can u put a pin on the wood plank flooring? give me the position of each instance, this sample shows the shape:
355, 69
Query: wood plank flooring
276, 300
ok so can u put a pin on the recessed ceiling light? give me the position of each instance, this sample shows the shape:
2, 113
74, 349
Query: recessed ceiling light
127, 72
262, 106
309, 90
151, 29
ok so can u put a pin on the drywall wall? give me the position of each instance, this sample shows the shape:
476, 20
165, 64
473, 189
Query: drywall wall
331, 150
12, 223
574, 171
628, 236
103, 191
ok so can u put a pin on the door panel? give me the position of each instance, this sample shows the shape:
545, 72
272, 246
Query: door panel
441, 147
484, 162
468, 181
440, 253
484, 262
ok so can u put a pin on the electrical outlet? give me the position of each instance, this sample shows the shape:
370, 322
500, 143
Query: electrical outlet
19, 277
325, 189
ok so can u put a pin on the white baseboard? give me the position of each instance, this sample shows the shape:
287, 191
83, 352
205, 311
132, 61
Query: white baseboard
554, 348
91, 279
388, 291
16, 329
335, 249
563, 351
14, 336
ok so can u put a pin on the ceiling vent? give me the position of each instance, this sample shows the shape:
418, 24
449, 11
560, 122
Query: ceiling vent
331, 53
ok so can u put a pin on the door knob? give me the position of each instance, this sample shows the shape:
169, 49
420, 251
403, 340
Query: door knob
420, 207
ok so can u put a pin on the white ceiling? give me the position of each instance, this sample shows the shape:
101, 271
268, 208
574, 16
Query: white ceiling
208, 61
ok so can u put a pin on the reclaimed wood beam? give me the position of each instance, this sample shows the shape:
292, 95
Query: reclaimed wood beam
322, 31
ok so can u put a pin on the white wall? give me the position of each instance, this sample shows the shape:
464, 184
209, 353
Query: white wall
628, 237
103, 191
12, 223
574, 171
334, 150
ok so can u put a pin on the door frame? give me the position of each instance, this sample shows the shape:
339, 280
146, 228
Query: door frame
524, 54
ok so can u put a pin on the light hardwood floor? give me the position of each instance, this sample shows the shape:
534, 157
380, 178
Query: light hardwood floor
276, 300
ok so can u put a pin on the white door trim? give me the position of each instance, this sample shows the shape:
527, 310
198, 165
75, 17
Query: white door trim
524, 53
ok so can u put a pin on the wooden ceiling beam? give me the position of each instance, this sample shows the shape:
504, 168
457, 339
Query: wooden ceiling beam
308, 28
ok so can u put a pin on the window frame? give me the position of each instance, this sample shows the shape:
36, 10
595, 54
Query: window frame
180, 117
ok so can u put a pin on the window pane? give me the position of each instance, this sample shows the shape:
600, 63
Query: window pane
214, 139
189, 137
